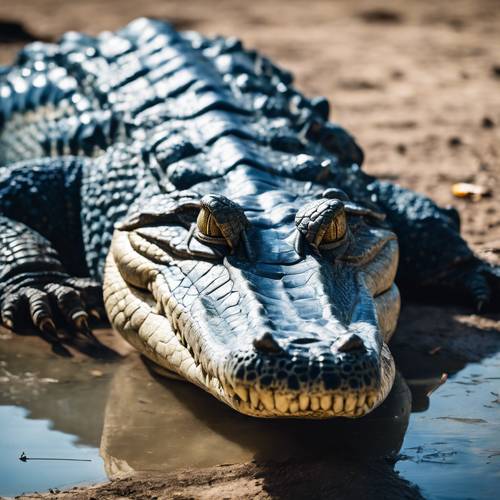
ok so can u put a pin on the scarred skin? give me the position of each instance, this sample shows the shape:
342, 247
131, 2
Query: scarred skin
238, 242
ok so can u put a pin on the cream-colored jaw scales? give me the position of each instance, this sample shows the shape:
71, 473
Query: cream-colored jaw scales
134, 313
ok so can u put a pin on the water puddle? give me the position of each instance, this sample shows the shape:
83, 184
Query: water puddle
50, 407
18, 432
446, 444
452, 450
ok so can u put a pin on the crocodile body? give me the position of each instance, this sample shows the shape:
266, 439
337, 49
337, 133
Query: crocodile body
239, 243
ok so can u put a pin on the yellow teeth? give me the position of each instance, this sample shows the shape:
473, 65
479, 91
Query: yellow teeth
267, 400
326, 402
350, 403
281, 403
361, 400
338, 404
242, 392
254, 398
304, 402
271, 403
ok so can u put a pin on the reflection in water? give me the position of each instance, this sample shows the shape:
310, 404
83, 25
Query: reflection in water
169, 425
151, 424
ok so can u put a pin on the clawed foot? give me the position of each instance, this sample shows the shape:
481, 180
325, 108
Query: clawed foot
54, 303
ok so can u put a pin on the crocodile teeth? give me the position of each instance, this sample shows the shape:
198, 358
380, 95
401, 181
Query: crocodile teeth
326, 402
254, 398
350, 403
281, 403
353, 405
338, 404
314, 403
304, 402
361, 400
242, 392
267, 400
371, 401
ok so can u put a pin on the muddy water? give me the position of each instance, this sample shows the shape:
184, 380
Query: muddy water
448, 444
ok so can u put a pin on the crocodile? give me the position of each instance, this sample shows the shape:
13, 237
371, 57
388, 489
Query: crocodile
224, 222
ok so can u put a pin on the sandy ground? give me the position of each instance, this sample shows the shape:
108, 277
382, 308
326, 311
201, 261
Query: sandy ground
417, 83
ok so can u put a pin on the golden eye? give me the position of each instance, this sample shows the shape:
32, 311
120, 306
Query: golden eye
220, 221
207, 225
336, 229
322, 223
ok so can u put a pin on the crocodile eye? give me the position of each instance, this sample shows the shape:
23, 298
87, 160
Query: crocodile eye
207, 225
220, 221
322, 223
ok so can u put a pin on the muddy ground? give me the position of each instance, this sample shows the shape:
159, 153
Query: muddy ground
416, 82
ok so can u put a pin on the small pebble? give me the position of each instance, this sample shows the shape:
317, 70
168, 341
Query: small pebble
487, 122
401, 149
397, 74
455, 141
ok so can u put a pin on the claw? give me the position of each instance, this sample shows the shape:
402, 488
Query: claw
98, 313
95, 314
47, 325
81, 320
48, 328
82, 325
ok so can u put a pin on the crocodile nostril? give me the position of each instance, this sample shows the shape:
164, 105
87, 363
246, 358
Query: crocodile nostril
267, 343
304, 340
349, 343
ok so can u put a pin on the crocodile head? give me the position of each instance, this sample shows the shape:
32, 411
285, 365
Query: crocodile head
279, 305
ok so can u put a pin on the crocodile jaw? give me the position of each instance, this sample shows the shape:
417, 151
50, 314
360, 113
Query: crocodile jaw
142, 308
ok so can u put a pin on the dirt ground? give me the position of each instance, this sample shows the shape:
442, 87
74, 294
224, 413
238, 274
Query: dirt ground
416, 82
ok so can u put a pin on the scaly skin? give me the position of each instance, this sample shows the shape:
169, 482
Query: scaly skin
240, 245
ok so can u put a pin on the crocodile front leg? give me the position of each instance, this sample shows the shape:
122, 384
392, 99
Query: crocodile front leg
435, 260
41, 249
36, 289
